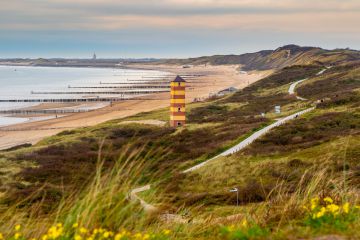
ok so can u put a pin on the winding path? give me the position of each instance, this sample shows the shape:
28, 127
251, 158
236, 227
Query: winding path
250, 139
232, 150
292, 89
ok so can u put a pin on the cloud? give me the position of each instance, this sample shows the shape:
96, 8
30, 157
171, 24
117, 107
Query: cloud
197, 21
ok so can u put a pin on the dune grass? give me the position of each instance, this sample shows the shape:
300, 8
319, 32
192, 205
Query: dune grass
77, 183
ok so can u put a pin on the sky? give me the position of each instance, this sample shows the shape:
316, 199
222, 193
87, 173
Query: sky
172, 28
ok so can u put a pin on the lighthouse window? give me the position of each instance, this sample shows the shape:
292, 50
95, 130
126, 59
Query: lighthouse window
179, 109
178, 84
179, 123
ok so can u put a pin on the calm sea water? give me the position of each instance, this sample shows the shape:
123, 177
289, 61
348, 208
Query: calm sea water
19, 82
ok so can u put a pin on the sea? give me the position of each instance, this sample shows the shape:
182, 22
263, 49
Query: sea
24, 82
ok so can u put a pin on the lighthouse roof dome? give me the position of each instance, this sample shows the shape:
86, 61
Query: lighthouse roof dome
179, 79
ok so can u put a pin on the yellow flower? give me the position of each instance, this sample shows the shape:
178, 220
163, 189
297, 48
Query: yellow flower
346, 207
55, 231
320, 213
106, 234
44, 237
83, 230
328, 200
138, 235
166, 231
333, 208
314, 203
17, 227
77, 237
118, 236
1, 236
146, 236
244, 223
75, 225
17, 235
357, 207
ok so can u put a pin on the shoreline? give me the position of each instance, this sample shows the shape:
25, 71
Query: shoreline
217, 78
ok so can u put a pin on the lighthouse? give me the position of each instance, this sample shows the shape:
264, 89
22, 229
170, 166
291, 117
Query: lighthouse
177, 102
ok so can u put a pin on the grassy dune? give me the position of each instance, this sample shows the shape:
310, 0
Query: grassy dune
82, 178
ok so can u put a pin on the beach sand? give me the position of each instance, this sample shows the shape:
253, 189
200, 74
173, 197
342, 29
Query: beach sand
215, 78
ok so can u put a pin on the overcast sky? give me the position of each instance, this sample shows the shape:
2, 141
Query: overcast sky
172, 28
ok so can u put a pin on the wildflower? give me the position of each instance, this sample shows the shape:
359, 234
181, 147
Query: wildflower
320, 214
346, 207
55, 231
44, 237
1, 236
244, 223
328, 200
106, 234
166, 231
118, 236
17, 236
17, 227
75, 225
146, 236
83, 230
314, 203
137, 235
333, 208
77, 237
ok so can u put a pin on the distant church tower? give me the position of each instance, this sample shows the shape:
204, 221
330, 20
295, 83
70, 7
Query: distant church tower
94, 57
177, 102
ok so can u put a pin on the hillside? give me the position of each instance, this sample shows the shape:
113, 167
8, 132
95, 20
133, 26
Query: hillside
276, 59
85, 175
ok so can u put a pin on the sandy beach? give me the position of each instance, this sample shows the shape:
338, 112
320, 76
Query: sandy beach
212, 80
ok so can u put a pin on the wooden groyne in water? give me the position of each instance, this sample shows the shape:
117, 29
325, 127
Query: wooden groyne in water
156, 80
65, 100
136, 83
107, 93
124, 87
75, 100
44, 111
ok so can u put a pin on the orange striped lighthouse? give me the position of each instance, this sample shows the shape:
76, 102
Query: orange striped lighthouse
177, 102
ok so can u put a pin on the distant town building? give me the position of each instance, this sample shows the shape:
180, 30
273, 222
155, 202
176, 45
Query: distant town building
177, 102
94, 57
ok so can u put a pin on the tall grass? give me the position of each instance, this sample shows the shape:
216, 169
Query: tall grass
103, 202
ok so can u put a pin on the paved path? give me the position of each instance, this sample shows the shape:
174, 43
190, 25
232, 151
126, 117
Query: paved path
293, 85
292, 89
251, 139
134, 197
